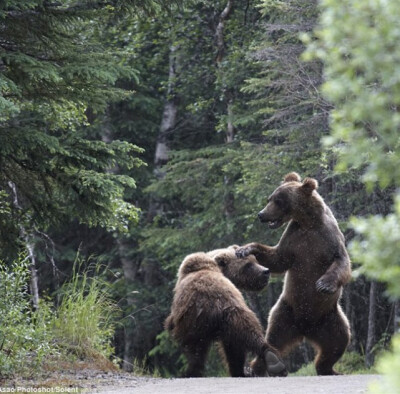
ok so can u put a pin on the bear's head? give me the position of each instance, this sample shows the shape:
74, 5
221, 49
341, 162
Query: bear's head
196, 262
244, 273
291, 198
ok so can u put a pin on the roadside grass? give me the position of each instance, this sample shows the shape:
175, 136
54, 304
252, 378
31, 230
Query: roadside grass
24, 339
84, 321
53, 338
351, 363
140, 368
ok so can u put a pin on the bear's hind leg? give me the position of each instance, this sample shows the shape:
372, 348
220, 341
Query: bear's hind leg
235, 357
196, 355
331, 339
282, 334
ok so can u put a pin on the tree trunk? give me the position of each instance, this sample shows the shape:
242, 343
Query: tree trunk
34, 283
170, 111
130, 270
168, 123
396, 317
150, 270
229, 203
229, 200
230, 128
220, 41
347, 301
219, 33
369, 354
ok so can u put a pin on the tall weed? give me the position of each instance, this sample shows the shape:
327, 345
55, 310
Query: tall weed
82, 326
84, 323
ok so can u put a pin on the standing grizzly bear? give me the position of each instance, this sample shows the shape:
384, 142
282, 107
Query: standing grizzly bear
312, 252
208, 307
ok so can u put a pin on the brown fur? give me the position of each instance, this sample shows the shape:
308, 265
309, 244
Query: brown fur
208, 307
312, 252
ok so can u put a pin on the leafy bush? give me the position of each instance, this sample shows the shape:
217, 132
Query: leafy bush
25, 335
377, 246
82, 325
389, 366
363, 84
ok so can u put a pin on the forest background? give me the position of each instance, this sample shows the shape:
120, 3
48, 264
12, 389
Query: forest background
134, 133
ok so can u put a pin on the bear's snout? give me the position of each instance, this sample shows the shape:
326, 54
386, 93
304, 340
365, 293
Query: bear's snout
272, 216
266, 273
261, 216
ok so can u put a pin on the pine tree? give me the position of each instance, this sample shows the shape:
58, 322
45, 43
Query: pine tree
56, 79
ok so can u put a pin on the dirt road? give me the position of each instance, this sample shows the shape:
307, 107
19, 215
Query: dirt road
350, 384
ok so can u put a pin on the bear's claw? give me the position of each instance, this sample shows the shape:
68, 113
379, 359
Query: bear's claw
275, 366
242, 252
249, 373
325, 287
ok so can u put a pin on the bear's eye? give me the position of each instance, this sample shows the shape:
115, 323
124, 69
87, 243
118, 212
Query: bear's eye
247, 266
221, 262
281, 202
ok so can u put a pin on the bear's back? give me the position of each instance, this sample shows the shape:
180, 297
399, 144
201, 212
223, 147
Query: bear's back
201, 300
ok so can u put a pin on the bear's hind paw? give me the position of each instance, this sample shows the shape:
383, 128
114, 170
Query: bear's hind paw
275, 367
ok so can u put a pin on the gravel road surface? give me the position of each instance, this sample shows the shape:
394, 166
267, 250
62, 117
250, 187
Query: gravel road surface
347, 384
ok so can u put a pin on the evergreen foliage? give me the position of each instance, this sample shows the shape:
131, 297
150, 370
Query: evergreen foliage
55, 75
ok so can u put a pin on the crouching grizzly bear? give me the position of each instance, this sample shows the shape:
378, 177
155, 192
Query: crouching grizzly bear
208, 307
312, 252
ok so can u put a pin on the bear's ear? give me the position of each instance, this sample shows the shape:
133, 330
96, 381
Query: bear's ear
309, 185
292, 177
234, 247
221, 260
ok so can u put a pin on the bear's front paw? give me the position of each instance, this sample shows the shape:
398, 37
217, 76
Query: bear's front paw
324, 285
243, 252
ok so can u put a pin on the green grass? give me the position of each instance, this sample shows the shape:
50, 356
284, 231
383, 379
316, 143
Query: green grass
84, 322
140, 368
24, 333
80, 328
351, 363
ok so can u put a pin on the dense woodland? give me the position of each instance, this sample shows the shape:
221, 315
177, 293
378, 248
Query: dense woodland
136, 132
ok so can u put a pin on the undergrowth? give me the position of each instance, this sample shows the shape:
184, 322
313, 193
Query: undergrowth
24, 333
84, 322
351, 363
79, 328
